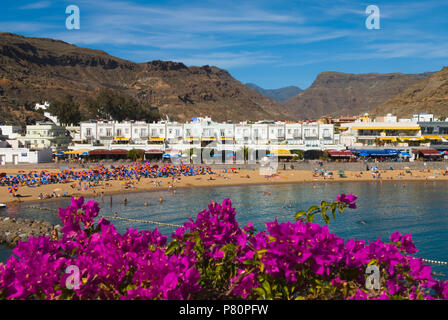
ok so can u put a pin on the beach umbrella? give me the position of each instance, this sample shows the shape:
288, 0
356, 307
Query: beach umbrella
364, 154
374, 168
13, 189
405, 154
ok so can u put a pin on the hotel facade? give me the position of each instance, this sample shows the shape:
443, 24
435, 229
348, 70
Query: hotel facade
202, 132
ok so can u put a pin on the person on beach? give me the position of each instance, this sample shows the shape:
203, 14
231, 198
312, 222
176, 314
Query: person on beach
161, 199
146, 203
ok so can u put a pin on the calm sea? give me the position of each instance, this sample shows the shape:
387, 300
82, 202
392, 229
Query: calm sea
418, 208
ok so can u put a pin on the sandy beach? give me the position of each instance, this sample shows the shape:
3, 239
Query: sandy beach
240, 177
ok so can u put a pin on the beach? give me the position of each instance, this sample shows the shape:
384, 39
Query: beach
220, 178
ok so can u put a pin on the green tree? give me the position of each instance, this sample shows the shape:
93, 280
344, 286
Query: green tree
298, 154
135, 154
119, 106
67, 110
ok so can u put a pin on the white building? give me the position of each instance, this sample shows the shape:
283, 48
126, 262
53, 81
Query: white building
44, 135
24, 155
422, 117
10, 132
386, 132
200, 132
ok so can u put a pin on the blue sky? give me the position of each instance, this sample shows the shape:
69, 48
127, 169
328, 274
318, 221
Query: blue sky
270, 43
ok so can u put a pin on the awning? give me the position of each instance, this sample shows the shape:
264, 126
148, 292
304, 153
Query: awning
159, 152
386, 128
108, 152
121, 139
281, 153
388, 138
433, 137
156, 139
98, 152
78, 151
429, 153
208, 139
172, 155
405, 154
118, 152
341, 153
376, 153
411, 138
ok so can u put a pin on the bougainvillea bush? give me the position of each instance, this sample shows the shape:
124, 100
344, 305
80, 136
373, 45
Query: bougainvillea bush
212, 257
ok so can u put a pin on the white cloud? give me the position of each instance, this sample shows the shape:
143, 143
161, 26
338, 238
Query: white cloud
36, 5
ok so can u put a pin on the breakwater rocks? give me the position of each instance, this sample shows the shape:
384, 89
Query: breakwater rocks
14, 229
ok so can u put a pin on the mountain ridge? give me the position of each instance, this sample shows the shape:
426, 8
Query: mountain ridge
279, 95
340, 94
38, 69
429, 95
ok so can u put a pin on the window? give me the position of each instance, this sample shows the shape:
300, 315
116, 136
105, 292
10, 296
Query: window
88, 132
153, 132
143, 132
108, 132
126, 130
177, 132
307, 132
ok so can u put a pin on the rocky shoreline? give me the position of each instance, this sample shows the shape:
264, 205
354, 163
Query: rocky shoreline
14, 229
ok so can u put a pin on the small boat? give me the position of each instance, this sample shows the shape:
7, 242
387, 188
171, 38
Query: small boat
2, 205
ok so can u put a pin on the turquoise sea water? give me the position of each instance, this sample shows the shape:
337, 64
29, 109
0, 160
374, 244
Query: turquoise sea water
413, 207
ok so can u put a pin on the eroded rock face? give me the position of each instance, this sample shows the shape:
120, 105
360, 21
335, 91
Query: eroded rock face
429, 95
37, 69
345, 94
14, 229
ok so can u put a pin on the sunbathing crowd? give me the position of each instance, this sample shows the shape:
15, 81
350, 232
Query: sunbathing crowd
135, 170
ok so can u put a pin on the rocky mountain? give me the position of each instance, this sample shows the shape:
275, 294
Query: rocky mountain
344, 94
38, 69
279, 95
429, 95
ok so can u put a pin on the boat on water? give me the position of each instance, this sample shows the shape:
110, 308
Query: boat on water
2, 205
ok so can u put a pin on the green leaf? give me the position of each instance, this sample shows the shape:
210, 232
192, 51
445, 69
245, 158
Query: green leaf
326, 218
313, 208
299, 214
333, 212
311, 217
267, 287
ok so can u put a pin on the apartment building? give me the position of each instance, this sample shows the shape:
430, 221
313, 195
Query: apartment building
44, 135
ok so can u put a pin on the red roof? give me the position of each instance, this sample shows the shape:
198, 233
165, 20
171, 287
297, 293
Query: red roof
429, 152
153, 151
340, 153
98, 152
